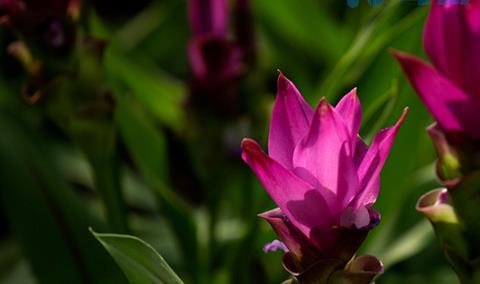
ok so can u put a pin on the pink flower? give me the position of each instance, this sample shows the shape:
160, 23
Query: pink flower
213, 56
320, 173
219, 53
451, 87
208, 17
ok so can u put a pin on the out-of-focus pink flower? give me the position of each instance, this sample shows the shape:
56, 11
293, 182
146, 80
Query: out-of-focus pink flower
321, 174
213, 57
450, 88
208, 17
217, 56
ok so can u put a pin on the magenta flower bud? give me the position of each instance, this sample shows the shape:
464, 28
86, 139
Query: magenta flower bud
217, 57
450, 88
213, 59
208, 17
321, 174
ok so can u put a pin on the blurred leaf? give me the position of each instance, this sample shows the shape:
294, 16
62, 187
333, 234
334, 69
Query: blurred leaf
49, 221
141, 26
371, 39
97, 138
20, 273
147, 146
408, 244
379, 111
159, 93
146, 143
306, 25
10, 254
139, 261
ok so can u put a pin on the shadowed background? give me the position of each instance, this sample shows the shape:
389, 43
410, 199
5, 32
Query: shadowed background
148, 152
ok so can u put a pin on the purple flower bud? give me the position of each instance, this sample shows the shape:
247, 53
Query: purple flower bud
274, 246
208, 17
217, 60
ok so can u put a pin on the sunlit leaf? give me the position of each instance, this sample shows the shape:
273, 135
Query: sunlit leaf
138, 260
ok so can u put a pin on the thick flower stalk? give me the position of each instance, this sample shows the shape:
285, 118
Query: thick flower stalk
450, 89
218, 58
324, 179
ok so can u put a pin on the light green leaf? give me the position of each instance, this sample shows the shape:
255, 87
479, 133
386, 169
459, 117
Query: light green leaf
409, 244
138, 260
307, 25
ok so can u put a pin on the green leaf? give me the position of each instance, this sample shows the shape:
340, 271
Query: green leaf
148, 149
369, 43
97, 139
161, 94
307, 25
48, 219
408, 244
380, 110
139, 261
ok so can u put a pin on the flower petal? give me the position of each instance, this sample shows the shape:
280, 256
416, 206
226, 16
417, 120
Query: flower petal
449, 105
319, 151
296, 242
349, 108
291, 118
347, 182
372, 163
304, 206
452, 41
274, 245
360, 150
208, 16
442, 39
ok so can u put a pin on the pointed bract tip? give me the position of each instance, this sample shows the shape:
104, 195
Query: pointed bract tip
434, 130
251, 146
353, 94
282, 79
246, 142
324, 107
403, 58
283, 85
396, 53
273, 213
402, 117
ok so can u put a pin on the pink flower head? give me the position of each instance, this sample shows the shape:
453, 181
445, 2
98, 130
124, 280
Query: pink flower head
450, 88
219, 52
208, 17
320, 173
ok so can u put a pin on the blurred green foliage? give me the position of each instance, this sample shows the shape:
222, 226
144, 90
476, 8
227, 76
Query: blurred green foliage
152, 164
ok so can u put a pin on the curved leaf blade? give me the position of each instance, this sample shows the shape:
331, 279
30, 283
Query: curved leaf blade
140, 262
